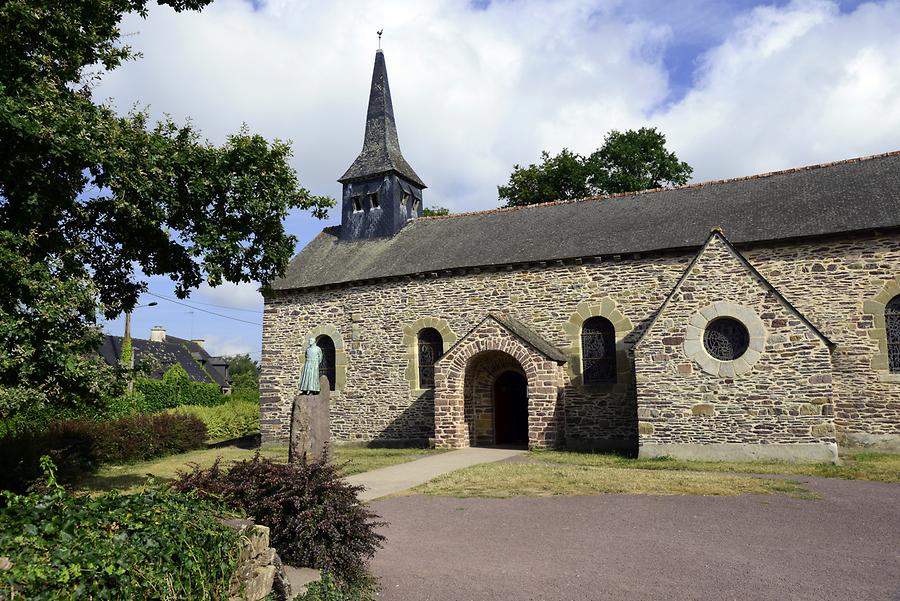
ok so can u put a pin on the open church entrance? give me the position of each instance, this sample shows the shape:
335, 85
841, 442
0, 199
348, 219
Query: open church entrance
511, 409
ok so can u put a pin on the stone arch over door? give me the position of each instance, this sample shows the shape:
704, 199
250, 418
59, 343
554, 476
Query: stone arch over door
479, 393
492, 346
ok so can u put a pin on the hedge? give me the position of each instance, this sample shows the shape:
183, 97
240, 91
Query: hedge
156, 544
232, 419
80, 447
159, 395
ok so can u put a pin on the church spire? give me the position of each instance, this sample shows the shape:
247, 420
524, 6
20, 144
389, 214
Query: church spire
381, 147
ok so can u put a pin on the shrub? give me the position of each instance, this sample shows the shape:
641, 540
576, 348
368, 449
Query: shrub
329, 588
156, 544
79, 447
159, 395
227, 421
38, 416
315, 517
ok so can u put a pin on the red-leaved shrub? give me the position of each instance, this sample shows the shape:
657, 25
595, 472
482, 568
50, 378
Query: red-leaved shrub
314, 517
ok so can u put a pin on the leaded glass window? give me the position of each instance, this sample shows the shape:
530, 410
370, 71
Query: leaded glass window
892, 328
726, 339
598, 351
431, 347
326, 367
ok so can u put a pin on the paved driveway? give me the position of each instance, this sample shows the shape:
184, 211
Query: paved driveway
845, 546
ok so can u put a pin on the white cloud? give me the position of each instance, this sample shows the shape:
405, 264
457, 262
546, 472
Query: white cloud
476, 91
230, 345
237, 296
796, 85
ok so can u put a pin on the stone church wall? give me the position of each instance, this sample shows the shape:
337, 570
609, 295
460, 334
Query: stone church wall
779, 391
829, 282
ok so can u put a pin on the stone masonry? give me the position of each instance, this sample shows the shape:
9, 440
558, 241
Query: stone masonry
778, 392
836, 283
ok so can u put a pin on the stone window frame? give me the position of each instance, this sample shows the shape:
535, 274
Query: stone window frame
875, 307
340, 355
607, 308
695, 350
411, 343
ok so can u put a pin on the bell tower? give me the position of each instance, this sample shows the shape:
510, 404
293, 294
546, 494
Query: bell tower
381, 191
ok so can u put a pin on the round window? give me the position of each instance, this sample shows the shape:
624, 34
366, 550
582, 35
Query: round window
726, 339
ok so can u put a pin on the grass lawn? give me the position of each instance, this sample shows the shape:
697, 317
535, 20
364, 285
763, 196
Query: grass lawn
130, 477
879, 467
501, 480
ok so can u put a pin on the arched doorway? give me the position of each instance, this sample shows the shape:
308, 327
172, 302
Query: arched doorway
511, 409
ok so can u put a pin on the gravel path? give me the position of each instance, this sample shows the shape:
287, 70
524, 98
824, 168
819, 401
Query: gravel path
845, 546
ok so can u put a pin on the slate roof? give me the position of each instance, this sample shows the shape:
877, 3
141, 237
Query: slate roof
199, 364
381, 147
854, 195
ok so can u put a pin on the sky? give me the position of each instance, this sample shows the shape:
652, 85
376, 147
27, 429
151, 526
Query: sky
738, 87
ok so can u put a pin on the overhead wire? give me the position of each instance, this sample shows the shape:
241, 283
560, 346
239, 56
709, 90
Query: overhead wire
178, 302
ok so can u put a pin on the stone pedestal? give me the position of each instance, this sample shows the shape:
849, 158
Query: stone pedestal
310, 427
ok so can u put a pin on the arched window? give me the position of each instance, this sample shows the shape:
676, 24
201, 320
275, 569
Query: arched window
326, 368
431, 346
598, 351
892, 329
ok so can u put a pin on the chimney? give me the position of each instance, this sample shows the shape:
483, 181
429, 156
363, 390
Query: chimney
198, 341
157, 334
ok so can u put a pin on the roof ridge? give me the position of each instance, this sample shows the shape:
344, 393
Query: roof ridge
763, 175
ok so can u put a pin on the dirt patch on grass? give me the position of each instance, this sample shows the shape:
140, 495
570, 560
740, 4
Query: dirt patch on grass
502, 480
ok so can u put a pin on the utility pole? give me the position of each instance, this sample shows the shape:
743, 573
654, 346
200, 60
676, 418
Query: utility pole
126, 343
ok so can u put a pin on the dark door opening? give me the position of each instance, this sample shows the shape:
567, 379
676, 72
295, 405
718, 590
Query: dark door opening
511, 409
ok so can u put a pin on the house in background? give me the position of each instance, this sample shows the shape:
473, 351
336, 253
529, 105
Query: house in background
163, 351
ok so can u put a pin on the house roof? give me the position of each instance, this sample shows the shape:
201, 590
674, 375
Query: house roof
717, 235
199, 365
381, 146
847, 196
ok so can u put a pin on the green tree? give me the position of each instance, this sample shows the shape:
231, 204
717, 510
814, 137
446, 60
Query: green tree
244, 373
627, 162
435, 212
92, 202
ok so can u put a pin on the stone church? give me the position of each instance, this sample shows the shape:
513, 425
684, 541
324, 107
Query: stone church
756, 317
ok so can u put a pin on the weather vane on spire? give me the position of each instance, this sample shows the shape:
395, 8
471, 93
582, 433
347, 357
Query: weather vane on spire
379, 32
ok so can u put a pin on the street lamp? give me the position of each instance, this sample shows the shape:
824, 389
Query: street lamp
126, 340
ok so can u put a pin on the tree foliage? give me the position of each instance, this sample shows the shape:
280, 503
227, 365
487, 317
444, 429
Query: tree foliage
627, 162
92, 201
435, 212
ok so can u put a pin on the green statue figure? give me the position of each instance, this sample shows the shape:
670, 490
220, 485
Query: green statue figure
309, 379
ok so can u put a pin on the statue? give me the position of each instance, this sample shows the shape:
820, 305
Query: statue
309, 379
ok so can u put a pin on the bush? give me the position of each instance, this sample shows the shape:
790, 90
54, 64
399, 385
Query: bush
156, 544
159, 395
227, 421
329, 588
38, 416
79, 447
314, 516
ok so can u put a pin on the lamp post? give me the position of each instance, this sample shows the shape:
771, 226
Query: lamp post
126, 341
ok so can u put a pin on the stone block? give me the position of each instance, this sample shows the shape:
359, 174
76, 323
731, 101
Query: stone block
703, 410
645, 428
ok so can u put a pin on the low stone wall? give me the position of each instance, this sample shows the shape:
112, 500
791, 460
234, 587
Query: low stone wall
260, 571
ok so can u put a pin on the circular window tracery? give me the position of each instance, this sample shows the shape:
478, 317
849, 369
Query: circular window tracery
726, 339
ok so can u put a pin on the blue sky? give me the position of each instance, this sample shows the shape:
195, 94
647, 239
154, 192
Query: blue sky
739, 87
